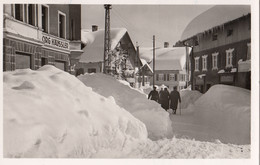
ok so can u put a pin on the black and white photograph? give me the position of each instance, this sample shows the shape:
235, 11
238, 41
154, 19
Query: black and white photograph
156, 81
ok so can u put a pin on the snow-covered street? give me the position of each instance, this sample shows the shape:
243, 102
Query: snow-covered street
49, 113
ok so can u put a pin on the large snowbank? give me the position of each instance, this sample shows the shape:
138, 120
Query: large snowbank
155, 118
223, 113
188, 97
50, 113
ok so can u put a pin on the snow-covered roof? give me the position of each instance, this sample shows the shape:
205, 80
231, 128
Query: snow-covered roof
94, 49
213, 17
165, 58
144, 63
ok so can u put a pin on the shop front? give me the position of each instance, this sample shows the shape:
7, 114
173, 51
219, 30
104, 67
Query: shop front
200, 83
227, 78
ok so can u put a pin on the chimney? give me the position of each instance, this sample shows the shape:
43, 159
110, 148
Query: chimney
166, 44
94, 28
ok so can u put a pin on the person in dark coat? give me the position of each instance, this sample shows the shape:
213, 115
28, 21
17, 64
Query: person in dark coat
165, 99
154, 95
174, 99
160, 96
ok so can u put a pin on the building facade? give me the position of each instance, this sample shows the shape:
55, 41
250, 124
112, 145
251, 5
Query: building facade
122, 57
171, 66
171, 78
38, 34
222, 55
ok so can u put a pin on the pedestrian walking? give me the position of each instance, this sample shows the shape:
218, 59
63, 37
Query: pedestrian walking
165, 99
160, 96
154, 95
174, 99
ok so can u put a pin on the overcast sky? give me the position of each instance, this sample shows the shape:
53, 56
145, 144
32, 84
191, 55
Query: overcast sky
166, 22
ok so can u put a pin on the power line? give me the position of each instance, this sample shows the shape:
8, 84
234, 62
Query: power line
133, 28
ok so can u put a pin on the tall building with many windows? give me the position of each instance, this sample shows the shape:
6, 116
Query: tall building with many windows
221, 54
38, 34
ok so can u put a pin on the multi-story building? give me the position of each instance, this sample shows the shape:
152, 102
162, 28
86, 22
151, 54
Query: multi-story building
38, 34
222, 54
170, 66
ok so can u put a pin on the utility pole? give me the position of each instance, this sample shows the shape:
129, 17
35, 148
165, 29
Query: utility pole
138, 64
187, 66
107, 59
153, 59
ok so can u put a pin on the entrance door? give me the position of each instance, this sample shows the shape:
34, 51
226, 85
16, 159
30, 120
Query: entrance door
60, 65
44, 61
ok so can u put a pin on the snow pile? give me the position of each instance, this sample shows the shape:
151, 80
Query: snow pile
155, 118
224, 113
50, 113
188, 97
146, 89
189, 149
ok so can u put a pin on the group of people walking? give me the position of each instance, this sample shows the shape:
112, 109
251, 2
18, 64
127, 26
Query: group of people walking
166, 99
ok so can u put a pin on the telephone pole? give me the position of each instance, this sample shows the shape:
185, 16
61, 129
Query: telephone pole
153, 59
107, 61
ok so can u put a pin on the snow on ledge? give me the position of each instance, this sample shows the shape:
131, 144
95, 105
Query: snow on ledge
201, 75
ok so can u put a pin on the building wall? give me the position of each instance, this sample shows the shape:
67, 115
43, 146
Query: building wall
82, 68
27, 46
241, 31
181, 83
238, 41
75, 22
54, 18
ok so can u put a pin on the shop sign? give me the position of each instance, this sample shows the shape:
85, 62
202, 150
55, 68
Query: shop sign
56, 42
227, 78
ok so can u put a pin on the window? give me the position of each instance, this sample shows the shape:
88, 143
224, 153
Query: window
164, 77
204, 62
214, 37
172, 77
161, 76
61, 25
92, 70
215, 61
168, 77
45, 18
197, 62
182, 77
229, 32
249, 51
44, 61
31, 14
229, 56
157, 77
19, 9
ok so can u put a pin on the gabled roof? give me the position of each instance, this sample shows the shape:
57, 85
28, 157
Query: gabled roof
213, 17
94, 49
165, 58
